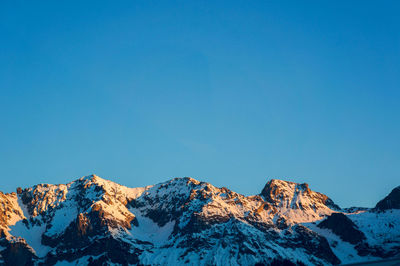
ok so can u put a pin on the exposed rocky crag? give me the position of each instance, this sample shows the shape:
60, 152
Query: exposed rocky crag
93, 221
297, 202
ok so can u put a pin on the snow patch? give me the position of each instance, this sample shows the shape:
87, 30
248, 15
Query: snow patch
149, 231
33, 236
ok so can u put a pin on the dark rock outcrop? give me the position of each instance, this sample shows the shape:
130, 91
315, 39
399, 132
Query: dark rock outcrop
17, 252
342, 226
391, 201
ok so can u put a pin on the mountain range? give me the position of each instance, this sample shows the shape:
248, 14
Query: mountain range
94, 221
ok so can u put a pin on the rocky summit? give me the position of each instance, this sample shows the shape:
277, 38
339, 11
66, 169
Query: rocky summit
93, 221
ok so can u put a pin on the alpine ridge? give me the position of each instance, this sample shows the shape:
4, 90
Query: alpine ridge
183, 221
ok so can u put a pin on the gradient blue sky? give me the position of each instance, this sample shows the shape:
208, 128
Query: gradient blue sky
232, 93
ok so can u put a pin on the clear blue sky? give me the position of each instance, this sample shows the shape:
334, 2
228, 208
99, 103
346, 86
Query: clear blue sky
232, 93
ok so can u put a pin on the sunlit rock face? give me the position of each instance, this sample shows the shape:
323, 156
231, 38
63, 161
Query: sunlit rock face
184, 221
297, 202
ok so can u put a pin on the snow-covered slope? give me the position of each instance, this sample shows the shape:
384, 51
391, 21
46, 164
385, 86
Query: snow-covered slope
185, 221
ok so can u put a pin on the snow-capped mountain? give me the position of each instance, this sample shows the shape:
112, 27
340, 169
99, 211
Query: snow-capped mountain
93, 221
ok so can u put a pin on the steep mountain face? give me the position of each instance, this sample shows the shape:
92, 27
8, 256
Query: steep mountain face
93, 221
297, 202
391, 201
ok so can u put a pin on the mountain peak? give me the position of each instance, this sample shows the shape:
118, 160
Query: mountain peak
287, 185
294, 199
391, 201
94, 179
185, 179
89, 177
